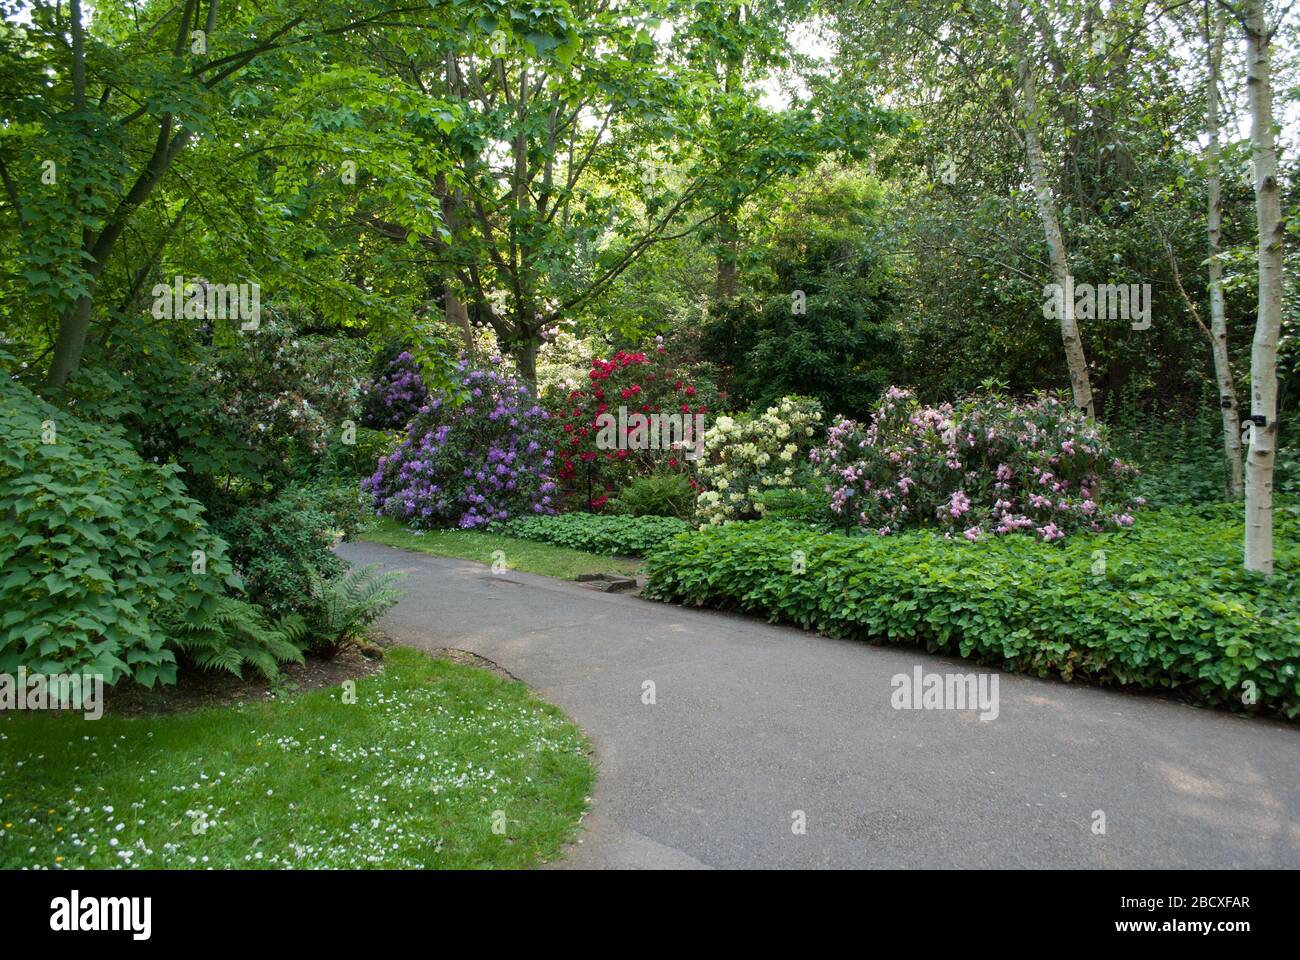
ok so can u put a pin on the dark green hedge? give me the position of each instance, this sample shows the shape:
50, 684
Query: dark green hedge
1173, 607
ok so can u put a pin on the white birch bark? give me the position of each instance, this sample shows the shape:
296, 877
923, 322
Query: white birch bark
1268, 321
1076, 361
1218, 321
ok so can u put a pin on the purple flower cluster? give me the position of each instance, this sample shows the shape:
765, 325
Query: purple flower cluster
398, 394
469, 460
986, 466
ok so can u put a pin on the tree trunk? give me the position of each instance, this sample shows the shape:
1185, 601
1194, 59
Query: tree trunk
458, 316
1218, 321
1268, 322
71, 340
1076, 361
724, 284
526, 358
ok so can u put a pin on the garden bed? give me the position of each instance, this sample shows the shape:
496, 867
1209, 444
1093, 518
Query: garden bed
1163, 605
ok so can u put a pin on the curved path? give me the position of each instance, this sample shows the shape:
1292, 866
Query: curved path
753, 722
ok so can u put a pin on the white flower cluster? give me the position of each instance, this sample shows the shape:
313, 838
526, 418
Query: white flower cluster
745, 456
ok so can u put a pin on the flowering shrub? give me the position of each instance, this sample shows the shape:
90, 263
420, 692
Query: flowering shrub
396, 395
472, 463
746, 456
642, 383
285, 393
988, 466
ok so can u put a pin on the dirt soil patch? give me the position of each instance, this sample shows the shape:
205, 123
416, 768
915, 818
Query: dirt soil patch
196, 689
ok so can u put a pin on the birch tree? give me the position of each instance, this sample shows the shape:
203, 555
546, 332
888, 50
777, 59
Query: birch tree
1262, 429
1218, 331
1026, 99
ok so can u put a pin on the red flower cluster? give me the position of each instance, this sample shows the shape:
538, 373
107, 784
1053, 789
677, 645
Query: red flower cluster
636, 382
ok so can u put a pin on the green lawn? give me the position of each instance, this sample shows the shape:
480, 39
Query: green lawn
530, 556
415, 773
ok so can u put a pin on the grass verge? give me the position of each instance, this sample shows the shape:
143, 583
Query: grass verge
417, 772
529, 556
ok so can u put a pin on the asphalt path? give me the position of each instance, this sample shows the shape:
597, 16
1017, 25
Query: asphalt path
766, 746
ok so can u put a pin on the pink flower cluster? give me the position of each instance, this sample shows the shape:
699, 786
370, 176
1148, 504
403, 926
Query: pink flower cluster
987, 465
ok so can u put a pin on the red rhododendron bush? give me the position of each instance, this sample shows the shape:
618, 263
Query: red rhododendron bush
987, 465
634, 414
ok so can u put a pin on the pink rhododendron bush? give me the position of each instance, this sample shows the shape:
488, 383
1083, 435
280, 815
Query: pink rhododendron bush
469, 460
987, 465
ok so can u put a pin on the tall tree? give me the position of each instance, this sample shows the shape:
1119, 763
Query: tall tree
1263, 430
1027, 100
1218, 331
104, 110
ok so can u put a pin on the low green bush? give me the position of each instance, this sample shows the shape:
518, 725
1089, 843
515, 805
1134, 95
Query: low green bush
657, 495
281, 546
1165, 604
597, 533
349, 508
807, 504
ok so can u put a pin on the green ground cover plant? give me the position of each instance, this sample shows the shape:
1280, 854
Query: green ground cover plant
598, 533
1162, 605
530, 556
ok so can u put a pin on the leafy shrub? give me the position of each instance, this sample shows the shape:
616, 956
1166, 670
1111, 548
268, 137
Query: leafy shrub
344, 502
280, 546
1182, 461
747, 455
815, 321
345, 606
354, 461
657, 495
104, 555
598, 533
804, 503
254, 411
469, 463
158, 386
988, 465
395, 395
1165, 604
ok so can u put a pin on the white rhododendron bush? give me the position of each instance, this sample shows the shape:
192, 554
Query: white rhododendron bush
746, 455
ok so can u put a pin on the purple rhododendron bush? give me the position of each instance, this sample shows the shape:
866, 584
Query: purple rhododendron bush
469, 459
986, 465
396, 395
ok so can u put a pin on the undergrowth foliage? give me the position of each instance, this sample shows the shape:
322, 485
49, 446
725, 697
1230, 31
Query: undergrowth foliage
1163, 605
598, 533
108, 564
